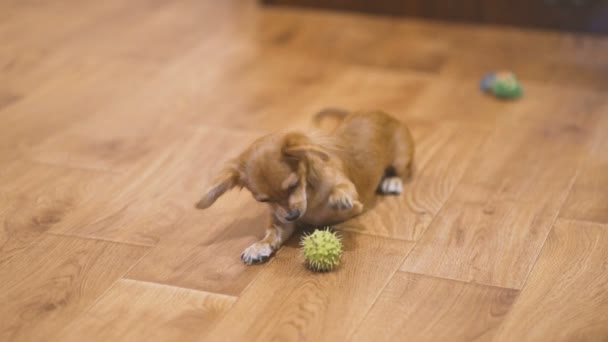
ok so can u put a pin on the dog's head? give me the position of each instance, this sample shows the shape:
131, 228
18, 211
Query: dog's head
275, 170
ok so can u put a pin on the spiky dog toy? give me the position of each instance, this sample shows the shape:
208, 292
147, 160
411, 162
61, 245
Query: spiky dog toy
322, 250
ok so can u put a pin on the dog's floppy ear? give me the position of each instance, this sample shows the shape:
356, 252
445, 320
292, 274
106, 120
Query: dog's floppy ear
228, 178
298, 145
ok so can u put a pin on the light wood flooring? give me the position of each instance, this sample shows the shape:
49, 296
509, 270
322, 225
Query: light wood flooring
115, 115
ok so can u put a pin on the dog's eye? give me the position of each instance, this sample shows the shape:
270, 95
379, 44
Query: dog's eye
263, 200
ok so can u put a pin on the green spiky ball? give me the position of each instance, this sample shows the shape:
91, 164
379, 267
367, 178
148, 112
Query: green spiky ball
322, 250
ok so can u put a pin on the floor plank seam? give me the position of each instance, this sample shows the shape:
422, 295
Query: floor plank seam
28, 246
523, 287
61, 330
458, 182
77, 236
389, 279
557, 216
472, 282
228, 129
239, 297
160, 284
353, 231
593, 145
581, 221
72, 167
268, 263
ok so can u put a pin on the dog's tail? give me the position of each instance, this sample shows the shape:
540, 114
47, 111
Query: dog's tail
329, 118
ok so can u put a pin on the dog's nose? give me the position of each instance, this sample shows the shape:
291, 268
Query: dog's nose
294, 215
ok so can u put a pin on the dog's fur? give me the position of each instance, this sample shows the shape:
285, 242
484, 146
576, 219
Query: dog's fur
318, 178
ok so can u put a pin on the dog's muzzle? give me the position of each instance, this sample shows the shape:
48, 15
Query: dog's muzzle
294, 215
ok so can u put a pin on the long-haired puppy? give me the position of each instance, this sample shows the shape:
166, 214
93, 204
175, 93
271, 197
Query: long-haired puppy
318, 178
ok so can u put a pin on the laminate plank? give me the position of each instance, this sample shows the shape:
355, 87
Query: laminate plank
54, 281
188, 94
397, 92
48, 44
493, 244
202, 250
454, 50
352, 41
288, 302
560, 61
274, 92
149, 200
565, 297
493, 227
116, 137
41, 30
115, 58
44, 112
34, 198
461, 101
129, 311
146, 32
198, 249
588, 198
419, 308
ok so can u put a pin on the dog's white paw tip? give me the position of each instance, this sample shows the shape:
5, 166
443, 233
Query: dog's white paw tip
340, 201
257, 253
391, 186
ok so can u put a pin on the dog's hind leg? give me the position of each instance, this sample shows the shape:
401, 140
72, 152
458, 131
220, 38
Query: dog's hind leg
401, 167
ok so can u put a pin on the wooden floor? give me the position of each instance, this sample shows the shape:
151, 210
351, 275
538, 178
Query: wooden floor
115, 114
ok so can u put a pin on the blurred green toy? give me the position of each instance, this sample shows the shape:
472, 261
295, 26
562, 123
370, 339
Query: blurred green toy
322, 250
503, 85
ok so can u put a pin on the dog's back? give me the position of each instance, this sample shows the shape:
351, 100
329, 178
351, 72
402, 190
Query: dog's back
328, 119
373, 145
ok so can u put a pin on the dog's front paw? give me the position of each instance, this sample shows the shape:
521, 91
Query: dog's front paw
391, 186
257, 253
340, 199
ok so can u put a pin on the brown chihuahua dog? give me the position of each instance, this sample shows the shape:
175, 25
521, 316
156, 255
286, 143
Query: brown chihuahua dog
319, 178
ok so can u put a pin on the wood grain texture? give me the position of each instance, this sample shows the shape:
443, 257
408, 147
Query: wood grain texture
565, 297
44, 32
288, 302
349, 41
588, 198
493, 227
48, 38
420, 308
184, 97
54, 281
34, 198
136, 311
493, 244
87, 89
458, 101
398, 91
273, 106
151, 196
203, 249
106, 67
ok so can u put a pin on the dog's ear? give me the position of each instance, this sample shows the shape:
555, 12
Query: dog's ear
298, 145
298, 196
228, 178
